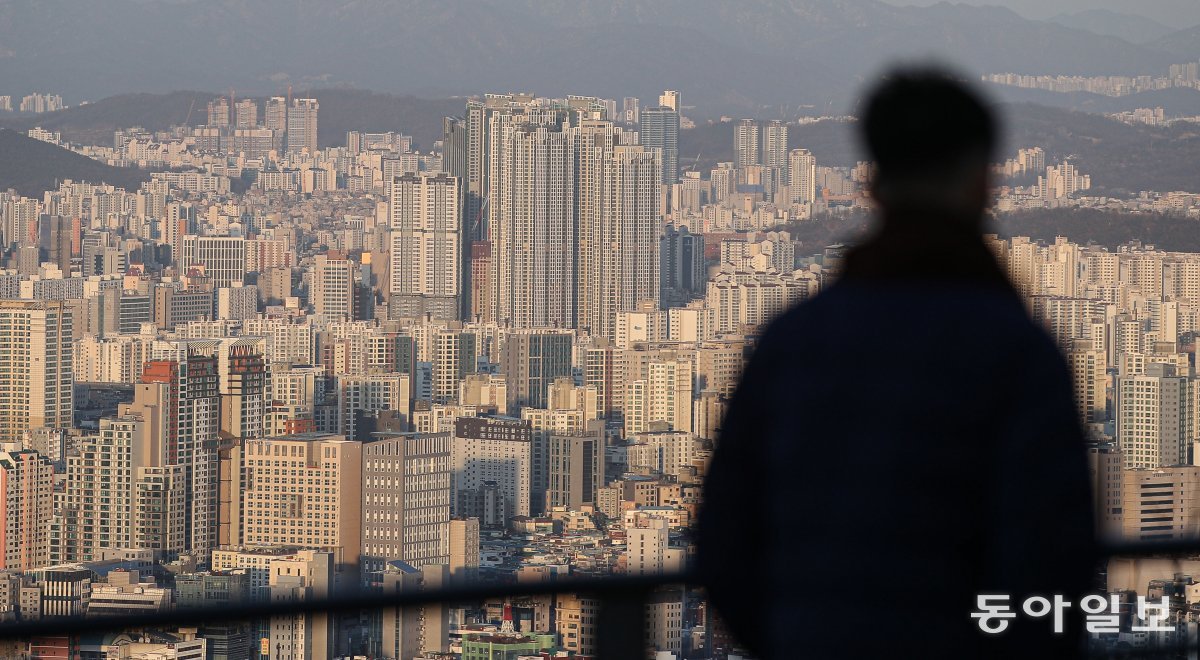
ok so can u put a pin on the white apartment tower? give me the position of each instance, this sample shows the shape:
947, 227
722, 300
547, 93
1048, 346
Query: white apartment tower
302, 126
775, 149
491, 460
427, 245
332, 291
618, 225
1154, 417
746, 143
531, 219
802, 176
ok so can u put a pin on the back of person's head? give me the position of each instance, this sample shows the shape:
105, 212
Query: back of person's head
931, 139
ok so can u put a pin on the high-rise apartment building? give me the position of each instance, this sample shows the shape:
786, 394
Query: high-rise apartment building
1089, 373
218, 113
455, 355
332, 292
746, 143
275, 119
576, 467
531, 362
425, 216
183, 392
802, 176
36, 367
247, 113
629, 110
531, 223
618, 220
306, 491
775, 150
302, 126
222, 258
670, 99
358, 394
121, 493
406, 500
26, 508
665, 396
659, 129
681, 266
1154, 417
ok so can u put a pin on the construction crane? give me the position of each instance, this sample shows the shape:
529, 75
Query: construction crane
188, 120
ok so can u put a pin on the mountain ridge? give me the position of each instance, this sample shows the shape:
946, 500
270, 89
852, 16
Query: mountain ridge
724, 57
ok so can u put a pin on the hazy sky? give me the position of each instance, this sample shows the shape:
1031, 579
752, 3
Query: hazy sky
1176, 13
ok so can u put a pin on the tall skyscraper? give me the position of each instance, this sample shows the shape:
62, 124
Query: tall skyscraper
659, 129
427, 246
746, 143
802, 176
302, 126
775, 151
36, 367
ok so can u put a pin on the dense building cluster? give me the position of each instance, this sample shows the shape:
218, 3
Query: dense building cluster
1186, 74
278, 371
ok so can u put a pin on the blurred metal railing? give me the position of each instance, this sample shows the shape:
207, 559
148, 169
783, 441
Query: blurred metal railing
621, 617
622, 601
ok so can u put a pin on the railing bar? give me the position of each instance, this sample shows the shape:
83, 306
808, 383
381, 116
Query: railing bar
602, 588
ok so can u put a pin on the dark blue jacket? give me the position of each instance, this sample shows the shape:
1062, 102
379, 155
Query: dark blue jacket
903, 442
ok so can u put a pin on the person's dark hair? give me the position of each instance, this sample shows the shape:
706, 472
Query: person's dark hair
928, 133
921, 119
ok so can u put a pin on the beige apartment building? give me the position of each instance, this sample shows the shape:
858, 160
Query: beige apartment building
36, 366
305, 490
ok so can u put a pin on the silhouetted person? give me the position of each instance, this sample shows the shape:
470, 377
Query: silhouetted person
907, 439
